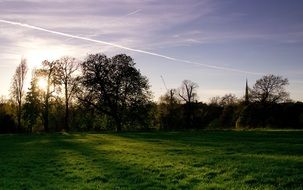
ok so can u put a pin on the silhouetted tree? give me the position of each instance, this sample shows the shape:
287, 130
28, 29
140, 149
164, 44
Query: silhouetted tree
17, 88
188, 94
270, 89
66, 75
229, 116
187, 91
32, 106
7, 122
169, 110
170, 97
215, 100
113, 86
48, 72
228, 99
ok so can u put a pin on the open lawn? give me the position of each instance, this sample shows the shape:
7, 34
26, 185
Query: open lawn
155, 160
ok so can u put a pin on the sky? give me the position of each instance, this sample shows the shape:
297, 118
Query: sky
215, 43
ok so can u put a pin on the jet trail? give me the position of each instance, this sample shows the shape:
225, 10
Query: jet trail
126, 48
134, 12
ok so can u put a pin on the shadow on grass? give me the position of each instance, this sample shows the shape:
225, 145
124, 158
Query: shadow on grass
216, 163
181, 160
26, 162
279, 143
111, 165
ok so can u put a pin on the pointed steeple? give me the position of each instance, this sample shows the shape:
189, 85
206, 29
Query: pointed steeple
246, 93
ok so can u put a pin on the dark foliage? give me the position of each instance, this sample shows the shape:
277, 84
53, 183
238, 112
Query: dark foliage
32, 107
7, 122
114, 87
285, 115
249, 116
112, 94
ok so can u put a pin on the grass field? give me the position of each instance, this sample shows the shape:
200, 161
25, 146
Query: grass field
172, 160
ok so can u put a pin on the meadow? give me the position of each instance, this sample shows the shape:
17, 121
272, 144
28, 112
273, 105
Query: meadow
153, 160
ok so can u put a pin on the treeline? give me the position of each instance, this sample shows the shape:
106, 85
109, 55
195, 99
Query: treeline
236, 116
266, 105
102, 94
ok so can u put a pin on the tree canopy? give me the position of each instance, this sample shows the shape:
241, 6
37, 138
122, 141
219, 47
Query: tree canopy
270, 89
114, 86
110, 93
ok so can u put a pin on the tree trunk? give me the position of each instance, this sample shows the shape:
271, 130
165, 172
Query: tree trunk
19, 117
46, 128
45, 117
66, 119
119, 127
118, 123
188, 115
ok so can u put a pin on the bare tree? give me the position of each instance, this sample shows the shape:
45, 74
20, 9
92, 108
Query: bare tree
228, 99
187, 91
48, 72
270, 89
17, 88
170, 97
215, 100
66, 75
188, 94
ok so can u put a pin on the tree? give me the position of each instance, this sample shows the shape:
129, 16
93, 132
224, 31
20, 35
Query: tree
66, 70
7, 122
114, 86
169, 110
187, 91
32, 106
48, 72
170, 97
188, 94
228, 99
17, 88
270, 89
215, 100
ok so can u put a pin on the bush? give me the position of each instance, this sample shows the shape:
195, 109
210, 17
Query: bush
7, 124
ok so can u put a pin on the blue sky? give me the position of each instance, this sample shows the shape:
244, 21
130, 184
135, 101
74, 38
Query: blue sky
215, 43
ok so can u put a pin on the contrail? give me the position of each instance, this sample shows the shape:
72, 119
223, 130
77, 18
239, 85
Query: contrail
134, 12
126, 48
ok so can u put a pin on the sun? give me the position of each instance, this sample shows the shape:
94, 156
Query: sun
42, 84
36, 57
38, 53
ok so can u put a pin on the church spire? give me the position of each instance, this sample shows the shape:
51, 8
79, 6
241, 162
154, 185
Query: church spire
246, 93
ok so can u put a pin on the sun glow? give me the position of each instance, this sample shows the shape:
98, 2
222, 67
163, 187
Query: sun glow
39, 50
42, 84
35, 58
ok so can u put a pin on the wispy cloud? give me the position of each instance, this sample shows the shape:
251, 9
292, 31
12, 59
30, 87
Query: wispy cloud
142, 22
127, 48
218, 35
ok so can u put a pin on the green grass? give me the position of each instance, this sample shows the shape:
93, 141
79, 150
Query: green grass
173, 160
